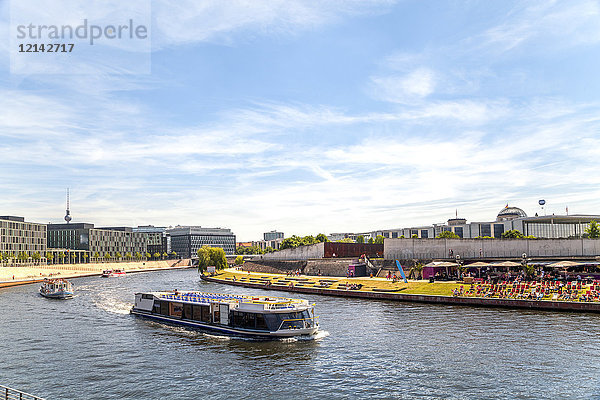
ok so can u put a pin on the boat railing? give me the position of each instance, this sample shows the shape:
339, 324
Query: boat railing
7, 393
298, 323
282, 306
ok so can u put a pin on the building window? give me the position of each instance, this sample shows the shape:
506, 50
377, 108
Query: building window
498, 230
486, 230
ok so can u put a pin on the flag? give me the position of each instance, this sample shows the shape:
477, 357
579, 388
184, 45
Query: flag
401, 271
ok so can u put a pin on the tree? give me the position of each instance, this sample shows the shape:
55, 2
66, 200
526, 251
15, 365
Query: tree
174, 254
164, 255
448, 235
211, 256
345, 240
321, 237
138, 255
148, 256
217, 257
36, 256
49, 256
528, 270
85, 257
107, 256
593, 230
360, 239
290, 243
371, 241
73, 257
241, 250
128, 256
416, 272
379, 239
415, 236
512, 234
269, 249
239, 260
96, 256
156, 255
61, 257
118, 255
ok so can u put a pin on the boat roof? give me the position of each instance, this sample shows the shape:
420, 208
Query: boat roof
263, 302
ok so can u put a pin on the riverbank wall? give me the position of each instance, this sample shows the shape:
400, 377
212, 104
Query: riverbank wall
322, 267
546, 305
13, 276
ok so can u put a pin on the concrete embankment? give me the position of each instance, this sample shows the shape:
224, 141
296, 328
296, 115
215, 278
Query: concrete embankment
547, 305
13, 276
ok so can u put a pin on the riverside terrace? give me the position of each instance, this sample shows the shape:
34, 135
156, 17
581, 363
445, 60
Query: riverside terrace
536, 294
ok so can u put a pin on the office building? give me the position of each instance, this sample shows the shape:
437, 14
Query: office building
187, 240
21, 242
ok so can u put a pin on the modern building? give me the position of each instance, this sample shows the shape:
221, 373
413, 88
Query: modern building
509, 218
272, 235
101, 243
272, 243
187, 240
158, 240
21, 242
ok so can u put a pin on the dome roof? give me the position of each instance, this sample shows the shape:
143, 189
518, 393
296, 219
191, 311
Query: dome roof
508, 213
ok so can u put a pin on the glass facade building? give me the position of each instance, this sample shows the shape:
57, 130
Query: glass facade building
187, 240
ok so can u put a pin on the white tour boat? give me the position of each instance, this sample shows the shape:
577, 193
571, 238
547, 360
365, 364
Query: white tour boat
111, 273
56, 289
230, 314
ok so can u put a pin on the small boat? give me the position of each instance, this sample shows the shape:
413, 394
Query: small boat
255, 316
111, 273
56, 289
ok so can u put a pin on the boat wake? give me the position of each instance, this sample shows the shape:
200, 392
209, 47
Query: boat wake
114, 306
317, 336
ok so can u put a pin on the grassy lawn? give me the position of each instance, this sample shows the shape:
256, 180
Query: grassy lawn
379, 284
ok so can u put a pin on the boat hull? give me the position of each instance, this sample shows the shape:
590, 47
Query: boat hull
223, 329
57, 295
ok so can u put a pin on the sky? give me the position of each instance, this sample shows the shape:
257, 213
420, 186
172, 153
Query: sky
314, 116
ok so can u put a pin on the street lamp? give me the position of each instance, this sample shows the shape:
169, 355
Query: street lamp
459, 262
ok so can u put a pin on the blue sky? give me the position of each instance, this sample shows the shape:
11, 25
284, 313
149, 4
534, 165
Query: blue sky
311, 117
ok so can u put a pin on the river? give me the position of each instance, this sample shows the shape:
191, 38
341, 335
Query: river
90, 347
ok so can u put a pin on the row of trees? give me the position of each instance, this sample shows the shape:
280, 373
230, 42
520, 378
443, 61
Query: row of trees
297, 241
361, 239
37, 256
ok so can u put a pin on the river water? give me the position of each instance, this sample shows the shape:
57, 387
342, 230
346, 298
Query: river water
90, 347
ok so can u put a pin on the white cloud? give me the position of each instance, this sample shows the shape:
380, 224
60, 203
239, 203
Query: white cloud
190, 21
408, 88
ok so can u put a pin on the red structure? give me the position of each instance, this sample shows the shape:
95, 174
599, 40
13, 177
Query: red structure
333, 249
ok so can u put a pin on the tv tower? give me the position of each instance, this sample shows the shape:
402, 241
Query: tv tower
68, 216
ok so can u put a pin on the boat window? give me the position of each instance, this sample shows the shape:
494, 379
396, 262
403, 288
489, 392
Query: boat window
175, 310
244, 320
260, 322
238, 318
205, 317
164, 308
187, 311
196, 313
292, 320
147, 296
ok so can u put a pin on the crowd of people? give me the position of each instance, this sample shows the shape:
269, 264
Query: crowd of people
534, 290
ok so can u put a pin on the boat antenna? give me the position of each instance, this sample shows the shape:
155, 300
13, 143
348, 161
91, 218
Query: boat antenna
68, 216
